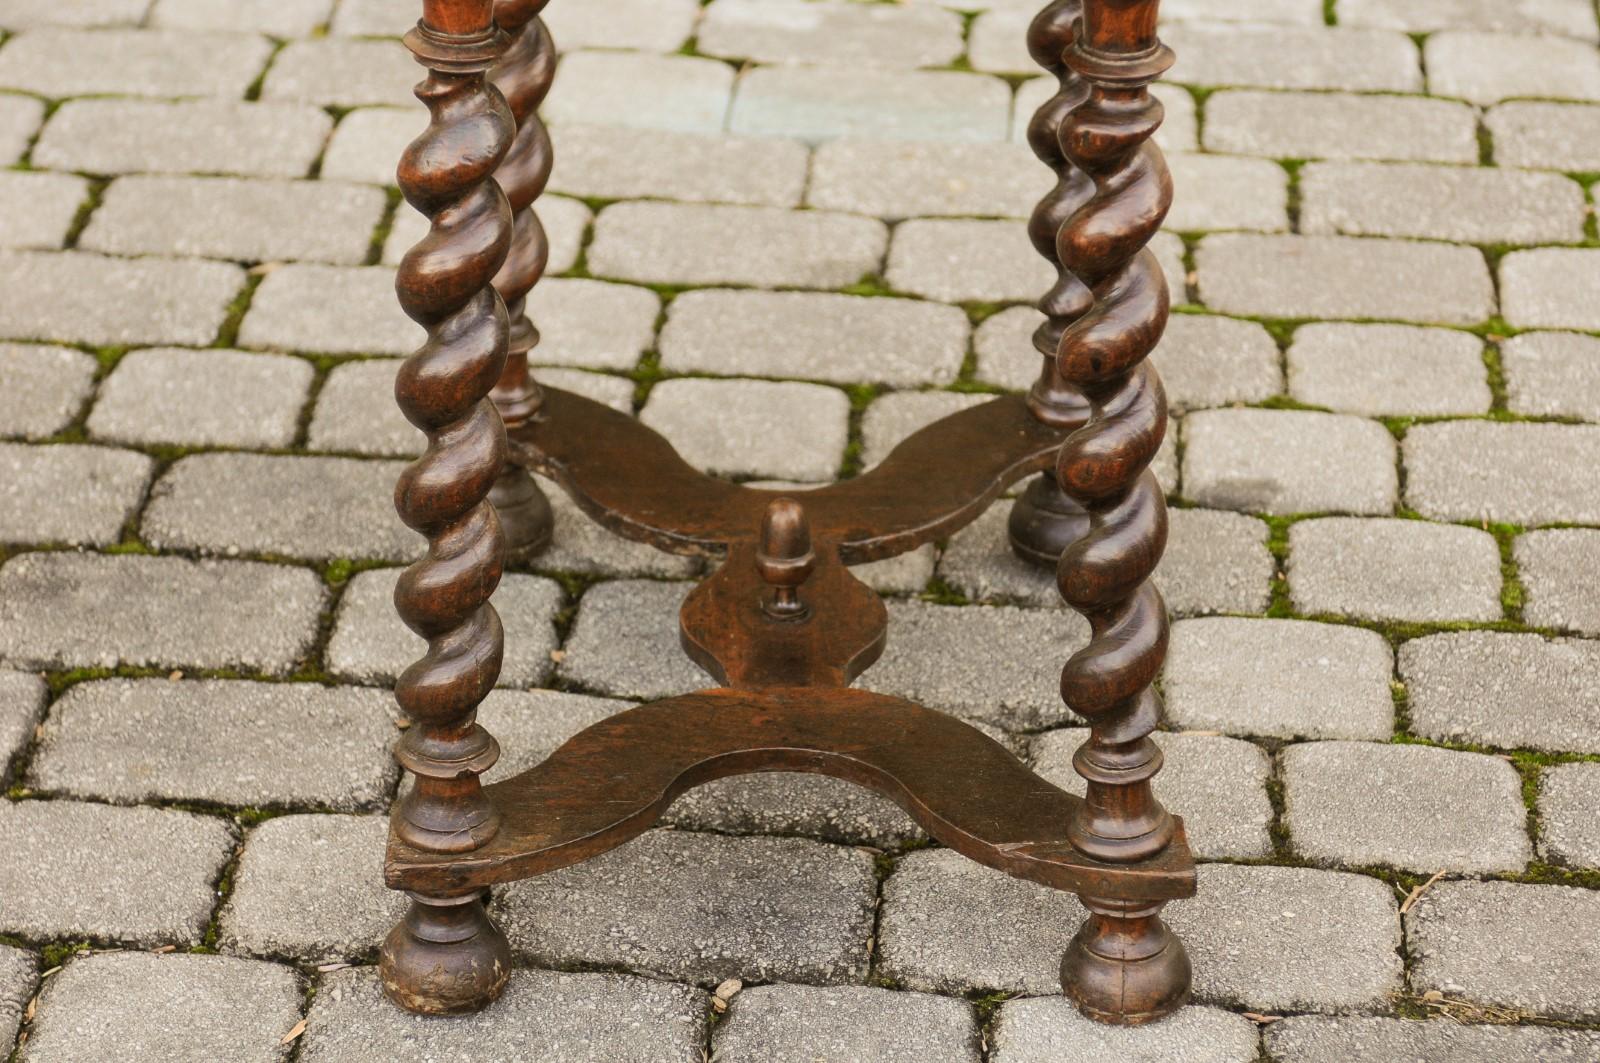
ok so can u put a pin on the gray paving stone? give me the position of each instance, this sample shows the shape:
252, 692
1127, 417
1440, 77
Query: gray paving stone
1333, 276
126, 62
785, 803
1551, 287
1545, 136
625, 642
1486, 68
277, 18
23, 14
235, 218
759, 246
313, 508
340, 72
702, 908
906, 574
69, 494
1509, 945
890, 419
176, 396
997, 42
1319, 125
73, 297
592, 324
815, 103
331, 309
685, 94
1294, 12
645, 25
1360, 1039
367, 143
1178, 126
1505, 690
576, 1018
37, 209
1406, 806
1218, 785
45, 388
1557, 571
786, 431
1388, 370
218, 741
371, 18
22, 700
371, 645
18, 975
63, 610
960, 260
137, 875
564, 220
1466, 204
116, 136
1569, 810
996, 665
1049, 1029
309, 888
1572, 17
1552, 374
829, 32
609, 162
838, 338
801, 1024
902, 179
1429, 572
581, 547
1219, 192
531, 724
1279, 678
1288, 57
19, 120
1517, 473
1288, 461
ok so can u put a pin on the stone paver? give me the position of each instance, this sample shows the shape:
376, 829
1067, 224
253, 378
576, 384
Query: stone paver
116, 136
1460, 203
308, 888
580, 546
784, 431
371, 645
829, 32
684, 94
1552, 374
18, 975
702, 908
902, 179
801, 1024
137, 875
22, 699
618, 163
1394, 570
1569, 809
1557, 571
1213, 192
37, 209
90, 611
1288, 461
625, 642
1517, 473
339, 72
74, 297
1509, 945
890, 419
45, 388
815, 103
1551, 287
1049, 1029
1280, 678
1288, 57
235, 218
23, 14
1317, 125
1333, 276
1521, 16
66, 62
368, 142
1388, 370
193, 398
218, 741
1407, 806
839, 338
1485, 68
576, 1018
1363, 1039
757, 246
278, 18
645, 25
69, 494
19, 120
312, 508
1545, 136
788, 804
959, 260
1505, 690
531, 724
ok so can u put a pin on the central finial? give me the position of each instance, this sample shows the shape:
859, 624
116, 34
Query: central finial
784, 558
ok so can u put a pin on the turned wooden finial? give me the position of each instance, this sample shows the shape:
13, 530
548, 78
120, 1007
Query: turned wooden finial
785, 559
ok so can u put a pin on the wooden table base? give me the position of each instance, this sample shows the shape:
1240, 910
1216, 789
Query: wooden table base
782, 624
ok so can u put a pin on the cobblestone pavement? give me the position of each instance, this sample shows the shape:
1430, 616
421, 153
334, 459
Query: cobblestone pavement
1384, 686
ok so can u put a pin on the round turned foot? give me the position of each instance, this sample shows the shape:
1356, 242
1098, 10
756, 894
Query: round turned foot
525, 514
445, 957
1125, 967
1044, 522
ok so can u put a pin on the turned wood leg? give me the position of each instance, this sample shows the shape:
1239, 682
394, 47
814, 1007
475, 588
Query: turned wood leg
1045, 520
446, 956
1124, 965
523, 75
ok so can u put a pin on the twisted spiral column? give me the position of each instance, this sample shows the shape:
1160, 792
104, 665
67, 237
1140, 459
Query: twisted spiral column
1124, 965
446, 956
523, 75
1045, 520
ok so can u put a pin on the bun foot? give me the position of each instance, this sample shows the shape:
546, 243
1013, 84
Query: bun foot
445, 957
524, 511
1044, 522
1125, 967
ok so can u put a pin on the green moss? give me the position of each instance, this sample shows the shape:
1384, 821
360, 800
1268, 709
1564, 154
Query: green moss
941, 593
228, 334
